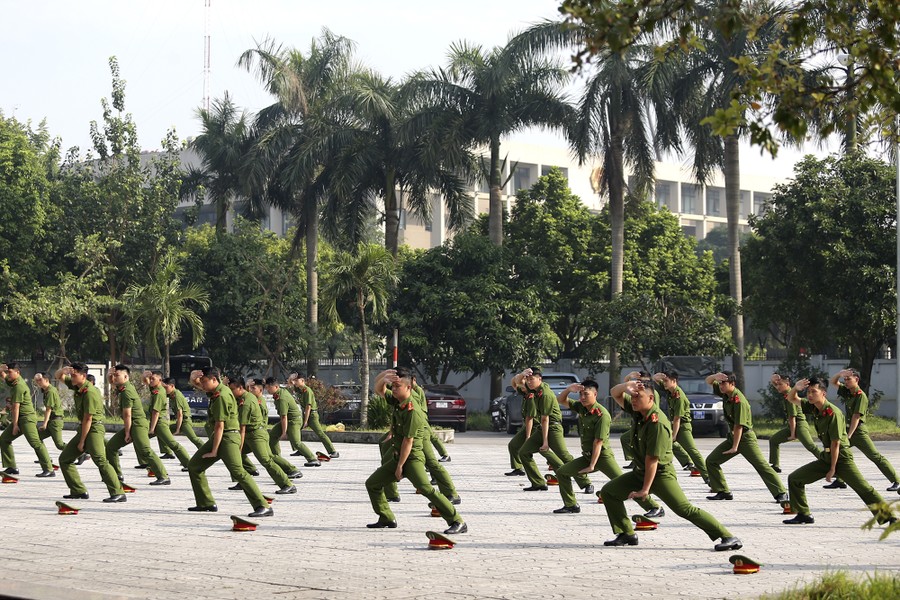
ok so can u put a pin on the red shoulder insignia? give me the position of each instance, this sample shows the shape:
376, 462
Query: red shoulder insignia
83, 390
595, 411
154, 392
828, 411
736, 399
859, 392
215, 395
654, 418
120, 388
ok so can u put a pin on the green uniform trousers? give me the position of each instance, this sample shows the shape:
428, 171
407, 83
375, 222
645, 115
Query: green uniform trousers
780, 437
27, 427
432, 465
275, 449
606, 464
164, 433
230, 454
557, 454
386, 448
749, 449
293, 435
515, 444
257, 442
140, 436
862, 441
686, 452
414, 470
95, 445
438, 444
53, 431
317, 428
187, 430
816, 470
665, 487
625, 440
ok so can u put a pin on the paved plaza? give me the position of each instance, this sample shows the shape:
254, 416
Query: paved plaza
317, 545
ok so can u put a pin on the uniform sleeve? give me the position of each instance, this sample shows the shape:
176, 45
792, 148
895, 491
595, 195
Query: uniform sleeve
244, 408
547, 400
659, 441
744, 416
626, 404
410, 426
836, 427
216, 409
601, 430
94, 402
678, 404
281, 405
159, 403
843, 392
68, 381
862, 404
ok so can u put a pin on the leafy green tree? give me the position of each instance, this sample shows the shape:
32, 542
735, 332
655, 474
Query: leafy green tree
162, 307
460, 308
365, 279
560, 250
821, 263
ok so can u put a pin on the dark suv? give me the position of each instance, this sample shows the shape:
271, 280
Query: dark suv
506, 411
446, 406
707, 412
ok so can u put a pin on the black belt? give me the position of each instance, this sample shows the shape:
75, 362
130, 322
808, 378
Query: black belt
231, 431
56, 417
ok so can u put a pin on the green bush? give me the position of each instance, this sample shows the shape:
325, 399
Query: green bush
379, 413
478, 421
838, 586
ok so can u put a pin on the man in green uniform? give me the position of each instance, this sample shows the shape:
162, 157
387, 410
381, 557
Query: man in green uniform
256, 387
22, 421
593, 421
306, 399
797, 427
223, 442
136, 428
254, 437
548, 438
89, 436
836, 459
625, 438
159, 417
407, 459
741, 440
857, 404
653, 472
518, 440
290, 423
179, 407
683, 445
52, 427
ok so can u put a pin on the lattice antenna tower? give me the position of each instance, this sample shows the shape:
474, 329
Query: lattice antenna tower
206, 56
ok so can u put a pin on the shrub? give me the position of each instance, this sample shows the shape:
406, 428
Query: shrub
379, 416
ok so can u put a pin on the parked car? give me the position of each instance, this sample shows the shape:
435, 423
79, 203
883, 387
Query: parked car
446, 406
707, 411
180, 367
348, 401
506, 411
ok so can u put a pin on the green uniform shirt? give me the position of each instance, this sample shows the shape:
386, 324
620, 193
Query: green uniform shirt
20, 394
222, 407
418, 396
407, 421
544, 401
177, 402
830, 424
855, 401
595, 421
650, 436
248, 411
793, 410
286, 405
87, 401
159, 403
53, 402
735, 406
129, 398
679, 406
306, 397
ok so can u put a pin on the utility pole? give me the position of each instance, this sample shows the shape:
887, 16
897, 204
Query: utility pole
206, 56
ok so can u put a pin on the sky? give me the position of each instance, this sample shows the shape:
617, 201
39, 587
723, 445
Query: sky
55, 54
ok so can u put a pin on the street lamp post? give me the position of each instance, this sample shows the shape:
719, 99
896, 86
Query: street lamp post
897, 225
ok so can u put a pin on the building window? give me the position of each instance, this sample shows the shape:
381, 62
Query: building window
760, 200
746, 204
522, 178
714, 197
402, 224
545, 170
665, 196
690, 198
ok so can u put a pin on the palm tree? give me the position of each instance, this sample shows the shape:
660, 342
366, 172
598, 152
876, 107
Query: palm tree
281, 167
222, 147
163, 306
492, 94
366, 276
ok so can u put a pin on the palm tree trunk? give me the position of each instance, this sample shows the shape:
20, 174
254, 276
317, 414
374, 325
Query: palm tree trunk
733, 209
312, 287
364, 367
495, 214
391, 215
617, 224
167, 355
221, 216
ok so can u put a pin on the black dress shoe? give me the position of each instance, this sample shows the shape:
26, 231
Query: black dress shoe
334, 454
295, 475
799, 519
312, 463
162, 481
515, 472
50, 473
629, 465
894, 487
455, 500
568, 510
288, 489
212, 508
781, 498
379, 524
11, 471
729, 543
121, 478
433, 481
76, 496
655, 513
721, 496
84, 456
297, 453
445, 458
623, 539
262, 511
394, 499
116, 498
236, 488
837, 484
688, 467
142, 466
589, 489
168, 456
776, 468
254, 472
535, 488
456, 527
185, 470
